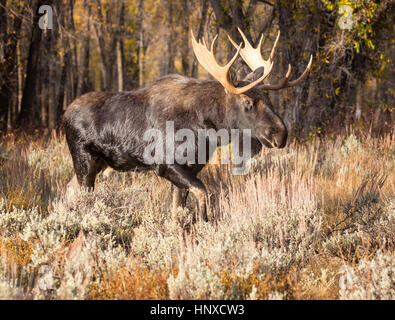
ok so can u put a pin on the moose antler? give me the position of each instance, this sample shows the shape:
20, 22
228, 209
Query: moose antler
207, 59
253, 58
284, 82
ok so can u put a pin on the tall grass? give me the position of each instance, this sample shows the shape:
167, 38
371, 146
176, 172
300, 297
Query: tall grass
290, 229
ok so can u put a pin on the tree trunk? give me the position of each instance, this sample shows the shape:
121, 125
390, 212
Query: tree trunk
83, 85
28, 115
141, 43
170, 39
203, 19
8, 63
20, 77
119, 47
98, 32
119, 65
67, 66
228, 17
184, 50
293, 45
5, 94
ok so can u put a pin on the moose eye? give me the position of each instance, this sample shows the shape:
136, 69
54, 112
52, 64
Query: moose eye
247, 105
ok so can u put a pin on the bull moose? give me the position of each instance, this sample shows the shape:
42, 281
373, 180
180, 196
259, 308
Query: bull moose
106, 129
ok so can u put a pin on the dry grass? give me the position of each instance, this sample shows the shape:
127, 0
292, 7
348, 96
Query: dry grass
287, 230
136, 282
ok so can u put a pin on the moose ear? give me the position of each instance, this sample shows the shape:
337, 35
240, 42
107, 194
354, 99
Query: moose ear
252, 76
232, 77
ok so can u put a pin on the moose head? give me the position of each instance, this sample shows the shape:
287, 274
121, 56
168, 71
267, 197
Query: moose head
253, 105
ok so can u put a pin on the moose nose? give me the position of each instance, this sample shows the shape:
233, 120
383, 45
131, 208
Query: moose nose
280, 141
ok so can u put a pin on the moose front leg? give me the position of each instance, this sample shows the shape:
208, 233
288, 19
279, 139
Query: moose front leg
184, 179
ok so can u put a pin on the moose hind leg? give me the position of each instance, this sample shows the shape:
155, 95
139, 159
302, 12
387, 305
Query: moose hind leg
184, 179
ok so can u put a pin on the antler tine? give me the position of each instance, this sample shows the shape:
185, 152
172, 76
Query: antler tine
252, 56
285, 83
304, 74
246, 42
212, 43
207, 59
273, 52
260, 43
